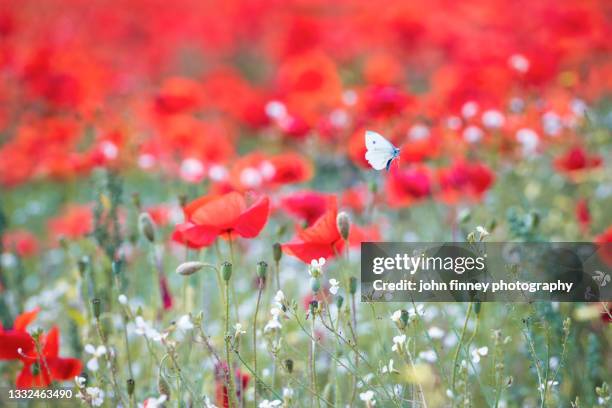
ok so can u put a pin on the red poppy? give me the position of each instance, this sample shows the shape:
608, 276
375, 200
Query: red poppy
226, 215
178, 95
40, 370
358, 234
290, 168
464, 180
583, 214
355, 198
256, 170
577, 159
17, 338
160, 214
320, 240
241, 382
75, 222
605, 241
406, 186
307, 206
23, 242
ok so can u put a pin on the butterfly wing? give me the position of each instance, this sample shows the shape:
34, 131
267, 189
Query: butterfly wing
379, 152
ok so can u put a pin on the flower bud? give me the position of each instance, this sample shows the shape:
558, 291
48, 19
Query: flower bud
343, 222
315, 285
277, 251
136, 200
226, 271
146, 226
289, 365
83, 265
163, 387
96, 307
339, 301
130, 386
313, 306
117, 266
352, 285
262, 269
182, 200
189, 268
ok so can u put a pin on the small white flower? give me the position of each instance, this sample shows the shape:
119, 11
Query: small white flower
482, 231
469, 109
389, 368
519, 63
154, 402
479, 352
396, 316
96, 396
122, 299
367, 397
279, 298
550, 384
96, 352
435, 332
493, 118
398, 343
288, 393
238, 330
335, 285
270, 404
184, 323
429, 355
79, 381
316, 266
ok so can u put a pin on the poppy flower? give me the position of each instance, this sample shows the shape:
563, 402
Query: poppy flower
74, 222
307, 206
407, 186
40, 370
256, 170
320, 240
605, 243
23, 242
211, 216
241, 381
583, 214
358, 234
178, 95
464, 180
11, 340
577, 159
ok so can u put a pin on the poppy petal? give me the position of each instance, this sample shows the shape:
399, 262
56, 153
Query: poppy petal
251, 222
11, 341
23, 320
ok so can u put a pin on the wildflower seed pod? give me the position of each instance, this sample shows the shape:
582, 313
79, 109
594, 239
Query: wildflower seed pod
289, 365
189, 268
130, 386
353, 285
315, 285
277, 252
96, 307
339, 301
163, 387
146, 226
262, 269
83, 265
343, 222
226, 271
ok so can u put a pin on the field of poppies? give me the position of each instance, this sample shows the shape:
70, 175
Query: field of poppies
184, 192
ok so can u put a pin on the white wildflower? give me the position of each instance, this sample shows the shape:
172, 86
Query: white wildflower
478, 353
335, 285
96, 352
398, 343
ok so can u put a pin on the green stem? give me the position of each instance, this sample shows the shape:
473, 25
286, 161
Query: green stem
230, 380
260, 287
456, 357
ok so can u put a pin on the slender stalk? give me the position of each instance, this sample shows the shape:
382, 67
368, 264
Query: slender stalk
230, 380
259, 291
456, 357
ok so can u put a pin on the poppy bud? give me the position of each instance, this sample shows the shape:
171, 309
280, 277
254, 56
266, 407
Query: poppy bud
83, 264
226, 271
136, 200
189, 268
182, 200
277, 251
289, 365
343, 223
130, 386
313, 306
146, 226
262, 269
315, 285
339, 301
96, 307
116, 266
353, 285
163, 387
404, 317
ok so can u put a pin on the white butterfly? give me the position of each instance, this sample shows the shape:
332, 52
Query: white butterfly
381, 152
